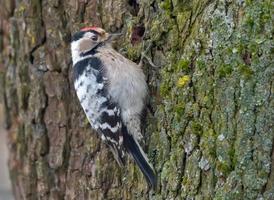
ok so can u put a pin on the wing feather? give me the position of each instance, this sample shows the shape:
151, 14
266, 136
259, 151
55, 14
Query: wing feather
102, 112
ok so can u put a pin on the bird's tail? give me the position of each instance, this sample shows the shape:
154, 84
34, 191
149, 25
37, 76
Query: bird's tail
133, 147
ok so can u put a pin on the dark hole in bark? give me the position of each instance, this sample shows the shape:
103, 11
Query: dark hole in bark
154, 6
247, 58
31, 58
137, 34
134, 7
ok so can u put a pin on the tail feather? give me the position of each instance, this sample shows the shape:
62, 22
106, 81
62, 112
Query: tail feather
133, 147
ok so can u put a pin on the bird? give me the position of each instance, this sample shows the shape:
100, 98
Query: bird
112, 91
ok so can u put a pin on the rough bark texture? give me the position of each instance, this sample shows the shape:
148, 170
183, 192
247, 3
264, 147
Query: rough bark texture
210, 129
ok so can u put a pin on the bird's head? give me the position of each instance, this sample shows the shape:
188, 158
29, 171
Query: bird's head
87, 39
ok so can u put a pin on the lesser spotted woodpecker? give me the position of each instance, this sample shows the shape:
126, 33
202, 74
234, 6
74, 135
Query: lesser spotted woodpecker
112, 91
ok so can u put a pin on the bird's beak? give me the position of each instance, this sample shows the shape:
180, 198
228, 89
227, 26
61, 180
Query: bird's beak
113, 36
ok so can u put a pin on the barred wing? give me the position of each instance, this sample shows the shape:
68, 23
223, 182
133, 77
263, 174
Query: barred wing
102, 113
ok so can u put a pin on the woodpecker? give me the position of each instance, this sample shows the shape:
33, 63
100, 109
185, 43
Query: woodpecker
112, 92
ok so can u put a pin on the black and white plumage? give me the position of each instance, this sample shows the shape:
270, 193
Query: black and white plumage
112, 91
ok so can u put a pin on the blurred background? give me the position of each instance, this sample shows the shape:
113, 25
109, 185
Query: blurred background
5, 188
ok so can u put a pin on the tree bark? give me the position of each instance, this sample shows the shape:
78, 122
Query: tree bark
209, 132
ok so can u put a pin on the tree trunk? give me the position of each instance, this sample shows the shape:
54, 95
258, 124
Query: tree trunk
209, 132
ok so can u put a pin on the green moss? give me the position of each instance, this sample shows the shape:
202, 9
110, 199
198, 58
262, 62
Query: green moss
250, 22
182, 19
164, 89
156, 30
206, 101
196, 128
186, 182
165, 171
245, 71
209, 133
225, 70
179, 108
209, 142
200, 63
173, 38
132, 53
166, 85
232, 157
166, 5
183, 65
223, 167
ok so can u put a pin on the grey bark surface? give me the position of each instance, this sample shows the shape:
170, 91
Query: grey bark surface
209, 131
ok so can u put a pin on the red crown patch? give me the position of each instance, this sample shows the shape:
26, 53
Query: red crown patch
89, 28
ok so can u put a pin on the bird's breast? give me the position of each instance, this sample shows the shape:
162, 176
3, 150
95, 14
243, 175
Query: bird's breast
127, 85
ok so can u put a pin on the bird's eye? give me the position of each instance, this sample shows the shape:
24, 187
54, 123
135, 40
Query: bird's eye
94, 37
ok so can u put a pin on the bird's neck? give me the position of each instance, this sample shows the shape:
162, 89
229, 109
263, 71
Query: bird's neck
77, 55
